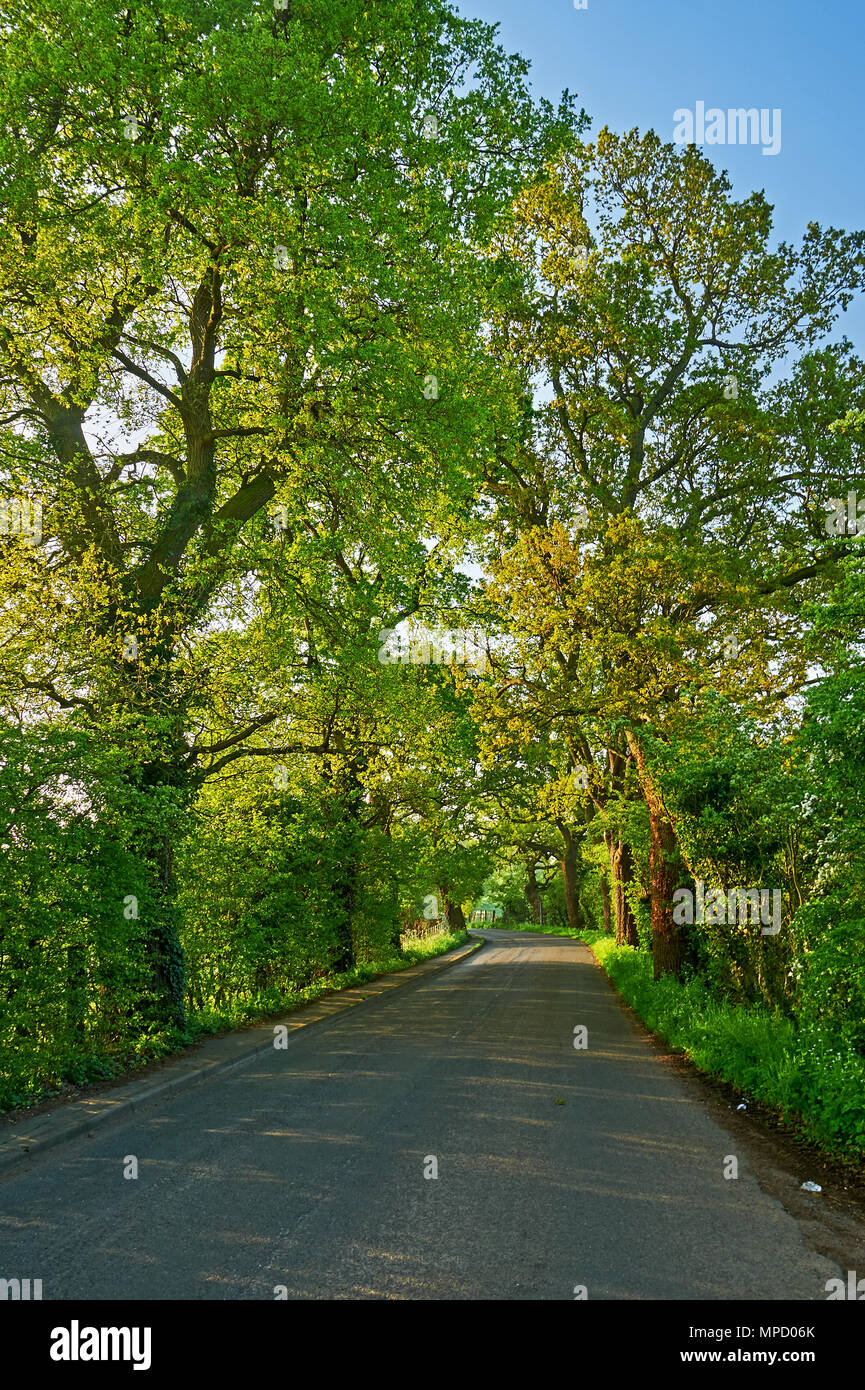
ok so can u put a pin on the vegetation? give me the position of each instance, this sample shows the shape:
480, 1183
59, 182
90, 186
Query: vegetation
409, 500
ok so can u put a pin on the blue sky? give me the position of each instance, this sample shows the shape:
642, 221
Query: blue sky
634, 62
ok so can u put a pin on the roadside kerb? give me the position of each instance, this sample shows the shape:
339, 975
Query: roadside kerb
206, 1059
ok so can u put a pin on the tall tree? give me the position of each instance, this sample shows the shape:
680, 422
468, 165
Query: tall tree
665, 507
239, 271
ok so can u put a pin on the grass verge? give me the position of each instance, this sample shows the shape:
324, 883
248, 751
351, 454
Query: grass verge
86, 1073
205, 1022
812, 1081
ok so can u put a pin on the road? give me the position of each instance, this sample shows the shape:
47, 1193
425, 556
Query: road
303, 1172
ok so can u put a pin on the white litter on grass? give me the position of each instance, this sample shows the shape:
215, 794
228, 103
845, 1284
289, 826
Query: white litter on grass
741, 1107
811, 1187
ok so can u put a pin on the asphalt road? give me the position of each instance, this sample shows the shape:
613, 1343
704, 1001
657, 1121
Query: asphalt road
304, 1169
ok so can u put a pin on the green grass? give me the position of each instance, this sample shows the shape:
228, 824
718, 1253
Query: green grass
527, 926
815, 1088
24, 1091
240, 1013
814, 1084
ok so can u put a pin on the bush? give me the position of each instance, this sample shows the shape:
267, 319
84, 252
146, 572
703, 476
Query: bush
804, 1074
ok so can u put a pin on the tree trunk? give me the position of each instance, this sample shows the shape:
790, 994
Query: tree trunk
452, 911
396, 926
605, 900
164, 792
533, 894
571, 877
162, 937
343, 778
669, 941
622, 870
344, 956
76, 990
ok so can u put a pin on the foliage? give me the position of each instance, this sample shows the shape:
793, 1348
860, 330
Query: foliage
315, 327
809, 1081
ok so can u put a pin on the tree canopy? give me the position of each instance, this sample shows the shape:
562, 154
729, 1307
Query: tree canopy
408, 501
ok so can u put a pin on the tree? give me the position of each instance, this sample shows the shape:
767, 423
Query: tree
240, 270
665, 508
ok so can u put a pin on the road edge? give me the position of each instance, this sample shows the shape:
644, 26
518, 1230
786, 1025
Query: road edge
76, 1117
